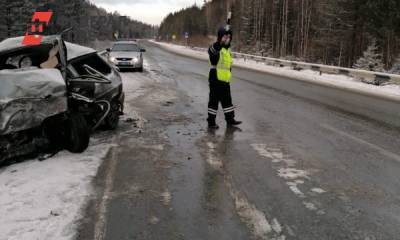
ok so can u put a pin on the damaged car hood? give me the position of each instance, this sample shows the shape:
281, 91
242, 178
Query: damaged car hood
30, 83
28, 96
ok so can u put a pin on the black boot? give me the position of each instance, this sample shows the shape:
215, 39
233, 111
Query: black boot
233, 122
211, 123
230, 119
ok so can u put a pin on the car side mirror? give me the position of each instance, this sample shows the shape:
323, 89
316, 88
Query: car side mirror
142, 50
108, 49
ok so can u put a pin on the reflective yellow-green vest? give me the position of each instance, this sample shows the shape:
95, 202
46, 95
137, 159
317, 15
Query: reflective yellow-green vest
224, 65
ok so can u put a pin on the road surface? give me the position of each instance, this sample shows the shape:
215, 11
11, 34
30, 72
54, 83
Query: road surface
296, 168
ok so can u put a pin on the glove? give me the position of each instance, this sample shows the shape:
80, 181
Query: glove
217, 46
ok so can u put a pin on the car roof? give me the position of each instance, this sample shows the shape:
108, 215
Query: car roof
73, 50
16, 42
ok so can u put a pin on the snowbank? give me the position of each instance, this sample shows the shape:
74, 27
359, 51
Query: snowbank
44, 200
391, 92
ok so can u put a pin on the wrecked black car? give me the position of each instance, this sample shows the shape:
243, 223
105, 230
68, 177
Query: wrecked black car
53, 95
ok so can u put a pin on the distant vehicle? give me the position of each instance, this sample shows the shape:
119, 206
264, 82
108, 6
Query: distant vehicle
53, 96
126, 55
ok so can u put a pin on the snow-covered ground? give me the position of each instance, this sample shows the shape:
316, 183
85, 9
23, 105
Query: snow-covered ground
339, 81
43, 200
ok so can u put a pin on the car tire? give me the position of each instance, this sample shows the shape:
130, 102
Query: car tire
77, 133
111, 122
141, 69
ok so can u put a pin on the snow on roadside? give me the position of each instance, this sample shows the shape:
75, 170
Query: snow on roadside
329, 79
44, 200
342, 81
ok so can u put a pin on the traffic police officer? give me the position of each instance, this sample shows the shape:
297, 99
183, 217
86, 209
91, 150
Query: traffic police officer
220, 78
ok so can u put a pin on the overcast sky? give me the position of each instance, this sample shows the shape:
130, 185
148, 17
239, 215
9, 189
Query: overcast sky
148, 11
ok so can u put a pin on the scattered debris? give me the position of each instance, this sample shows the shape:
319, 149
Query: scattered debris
130, 120
168, 103
43, 157
54, 213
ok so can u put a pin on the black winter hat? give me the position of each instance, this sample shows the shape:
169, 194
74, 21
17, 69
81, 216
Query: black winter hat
223, 31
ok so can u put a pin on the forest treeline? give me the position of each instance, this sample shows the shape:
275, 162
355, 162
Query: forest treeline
88, 21
349, 33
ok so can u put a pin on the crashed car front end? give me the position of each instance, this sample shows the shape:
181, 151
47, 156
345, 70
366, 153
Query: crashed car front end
33, 96
53, 95
89, 76
29, 96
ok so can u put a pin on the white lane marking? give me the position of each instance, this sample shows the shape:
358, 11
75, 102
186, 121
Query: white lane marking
295, 189
275, 154
290, 230
286, 170
318, 190
310, 206
212, 159
100, 225
263, 150
293, 173
254, 219
166, 197
361, 141
159, 147
276, 226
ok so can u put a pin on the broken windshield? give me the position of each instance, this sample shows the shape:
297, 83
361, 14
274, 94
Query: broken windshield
42, 56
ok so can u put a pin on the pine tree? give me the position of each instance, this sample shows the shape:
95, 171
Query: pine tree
371, 59
246, 32
396, 66
3, 24
18, 16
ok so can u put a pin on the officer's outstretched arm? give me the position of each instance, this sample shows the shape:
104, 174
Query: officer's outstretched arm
213, 52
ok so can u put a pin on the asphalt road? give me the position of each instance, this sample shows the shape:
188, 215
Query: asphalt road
296, 169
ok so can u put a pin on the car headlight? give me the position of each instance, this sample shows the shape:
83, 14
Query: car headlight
135, 60
112, 59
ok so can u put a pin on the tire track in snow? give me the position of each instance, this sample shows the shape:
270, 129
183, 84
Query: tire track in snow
248, 213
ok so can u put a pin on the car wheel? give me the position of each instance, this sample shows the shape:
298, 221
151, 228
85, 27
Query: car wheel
77, 133
141, 69
112, 120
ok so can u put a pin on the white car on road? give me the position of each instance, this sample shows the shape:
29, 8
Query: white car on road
126, 55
